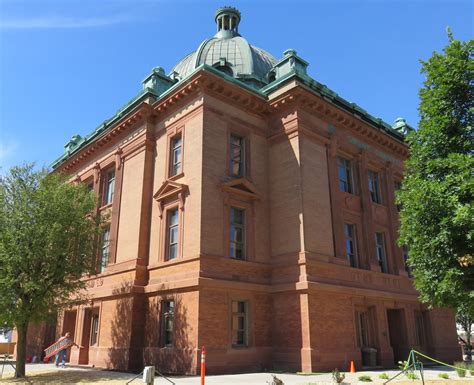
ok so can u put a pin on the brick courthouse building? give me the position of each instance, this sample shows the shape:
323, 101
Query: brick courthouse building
251, 211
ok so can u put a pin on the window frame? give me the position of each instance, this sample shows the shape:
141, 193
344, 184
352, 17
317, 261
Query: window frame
108, 192
172, 150
382, 260
375, 190
245, 330
89, 183
363, 317
354, 262
94, 333
168, 309
168, 229
346, 165
397, 186
405, 253
420, 328
232, 227
243, 155
105, 245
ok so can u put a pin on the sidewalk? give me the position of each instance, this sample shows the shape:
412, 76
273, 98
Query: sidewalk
49, 374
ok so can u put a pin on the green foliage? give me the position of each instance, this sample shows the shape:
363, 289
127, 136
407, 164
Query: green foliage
383, 376
437, 216
461, 369
444, 376
402, 364
338, 376
411, 375
465, 318
365, 378
47, 243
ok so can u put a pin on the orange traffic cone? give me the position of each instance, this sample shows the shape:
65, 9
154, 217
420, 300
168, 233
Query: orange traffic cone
353, 367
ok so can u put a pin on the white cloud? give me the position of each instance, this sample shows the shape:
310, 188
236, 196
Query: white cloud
49, 22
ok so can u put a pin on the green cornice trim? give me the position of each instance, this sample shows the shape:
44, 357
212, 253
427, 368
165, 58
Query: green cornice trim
333, 98
313, 85
142, 95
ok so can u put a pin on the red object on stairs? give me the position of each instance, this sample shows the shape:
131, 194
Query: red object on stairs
62, 343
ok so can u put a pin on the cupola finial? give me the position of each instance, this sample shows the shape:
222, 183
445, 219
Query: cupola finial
227, 20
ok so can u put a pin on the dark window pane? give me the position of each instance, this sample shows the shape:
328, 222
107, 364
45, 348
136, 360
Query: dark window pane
167, 322
351, 244
239, 323
374, 187
237, 233
380, 252
345, 175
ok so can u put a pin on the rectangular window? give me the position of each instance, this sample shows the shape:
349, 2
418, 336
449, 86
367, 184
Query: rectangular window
109, 187
95, 329
405, 259
90, 186
420, 333
176, 156
104, 250
351, 244
344, 167
173, 233
239, 323
362, 326
397, 186
380, 251
237, 233
237, 156
167, 319
374, 187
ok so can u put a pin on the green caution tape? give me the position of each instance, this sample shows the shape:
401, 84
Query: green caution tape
439, 362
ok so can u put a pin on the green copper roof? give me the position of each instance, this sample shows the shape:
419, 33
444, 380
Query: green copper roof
229, 52
231, 57
77, 144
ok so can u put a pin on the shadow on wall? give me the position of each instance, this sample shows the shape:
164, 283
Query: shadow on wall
126, 329
178, 357
137, 333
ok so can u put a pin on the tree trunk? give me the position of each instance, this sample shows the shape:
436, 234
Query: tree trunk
468, 341
22, 330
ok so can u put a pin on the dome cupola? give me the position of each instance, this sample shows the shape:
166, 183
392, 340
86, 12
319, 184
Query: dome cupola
229, 53
227, 20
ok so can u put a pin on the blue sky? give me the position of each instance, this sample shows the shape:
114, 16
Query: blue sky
66, 66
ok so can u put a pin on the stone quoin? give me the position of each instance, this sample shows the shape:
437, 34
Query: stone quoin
251, 212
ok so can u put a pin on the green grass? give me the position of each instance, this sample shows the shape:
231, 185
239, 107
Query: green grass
383, 376
461, 368
365, 378
411, 376
444, 376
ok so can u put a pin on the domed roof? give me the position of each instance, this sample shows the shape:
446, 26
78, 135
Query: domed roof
229, 52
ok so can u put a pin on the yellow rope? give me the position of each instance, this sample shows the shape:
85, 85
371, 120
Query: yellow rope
439, 362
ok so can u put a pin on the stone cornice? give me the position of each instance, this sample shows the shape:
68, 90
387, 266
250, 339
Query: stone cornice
300, 97
207, 82
127, 123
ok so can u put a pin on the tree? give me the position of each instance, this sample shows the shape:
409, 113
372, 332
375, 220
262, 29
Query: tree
437, 216
465, 318
47, 243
